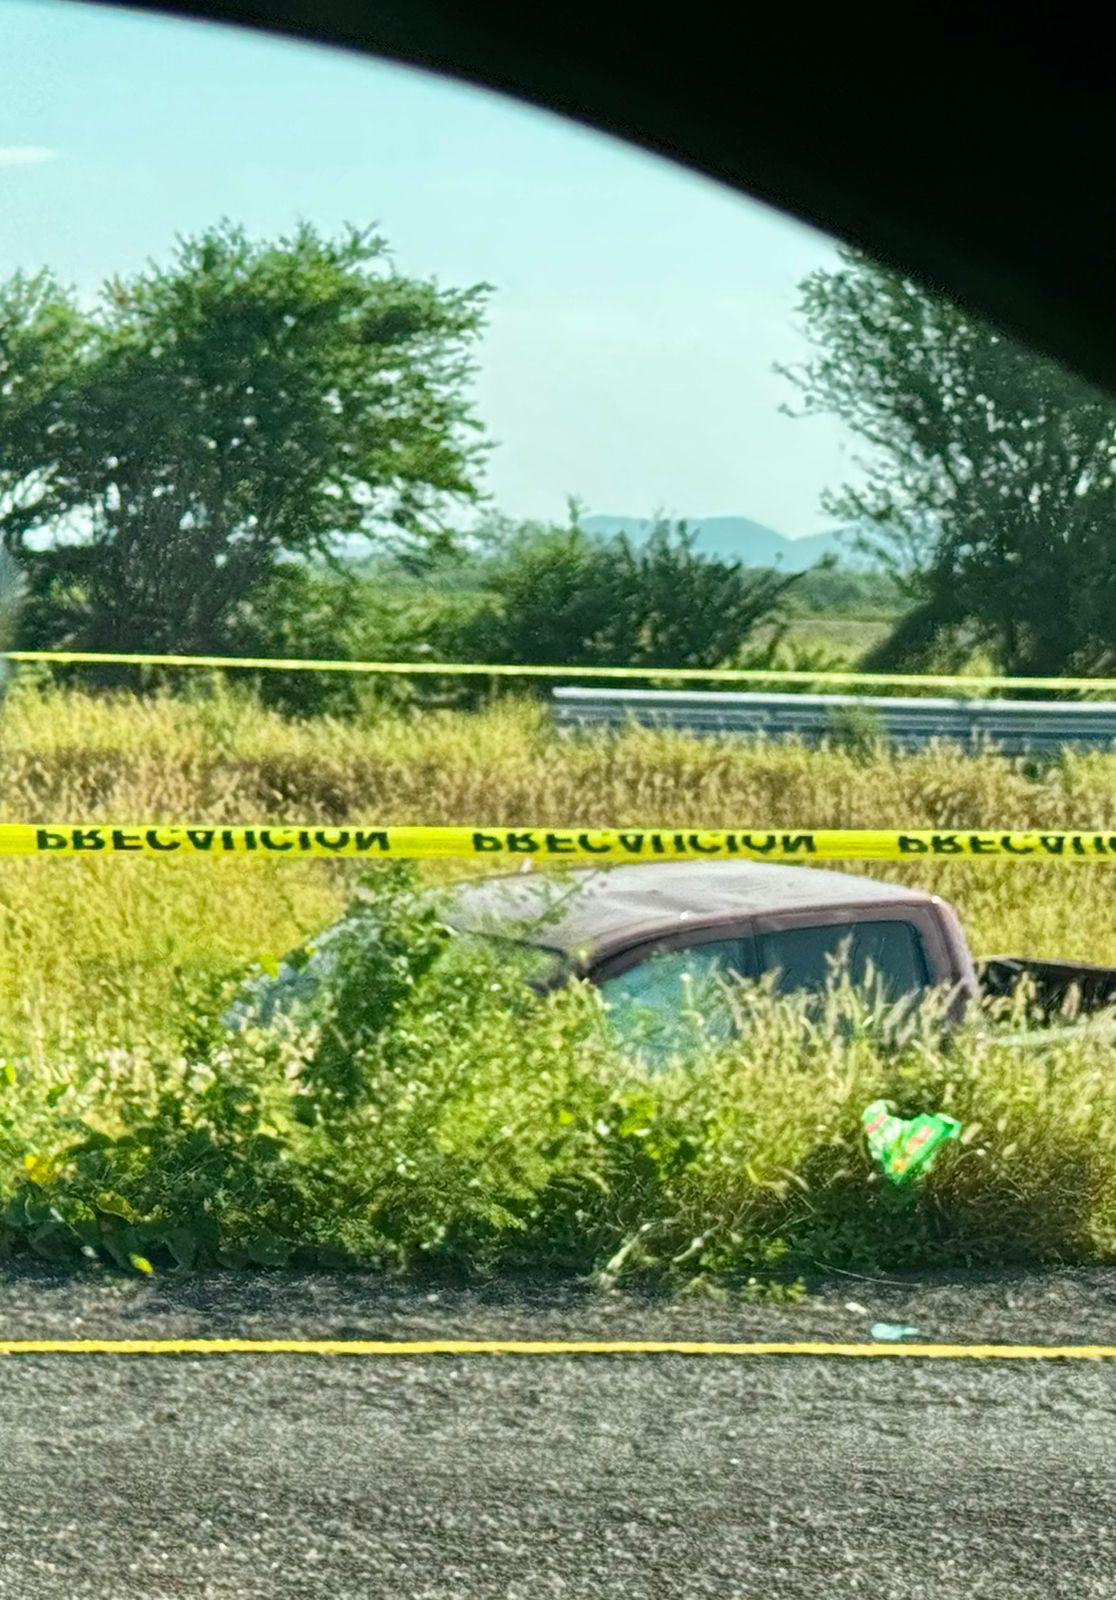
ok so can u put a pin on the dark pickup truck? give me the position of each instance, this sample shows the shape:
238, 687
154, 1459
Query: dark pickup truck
643, 934
634, 931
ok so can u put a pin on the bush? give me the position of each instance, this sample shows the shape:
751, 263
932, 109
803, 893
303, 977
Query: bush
857, 730
319, 613
429, 1112
560, 596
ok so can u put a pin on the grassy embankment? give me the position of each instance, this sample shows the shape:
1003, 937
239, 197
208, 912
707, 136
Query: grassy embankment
463, 1124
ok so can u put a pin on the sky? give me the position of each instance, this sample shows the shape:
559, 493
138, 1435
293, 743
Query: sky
636, 310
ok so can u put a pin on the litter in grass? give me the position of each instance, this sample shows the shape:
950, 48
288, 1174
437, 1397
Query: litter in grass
904, 1147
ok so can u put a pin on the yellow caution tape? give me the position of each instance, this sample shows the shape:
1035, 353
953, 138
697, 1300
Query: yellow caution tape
476, 669
373, 842
550, 1347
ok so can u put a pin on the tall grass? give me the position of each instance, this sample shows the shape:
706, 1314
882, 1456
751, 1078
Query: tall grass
486, 1130
430, 1112
72, 929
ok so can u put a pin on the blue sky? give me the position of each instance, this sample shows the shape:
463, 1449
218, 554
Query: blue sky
637, 310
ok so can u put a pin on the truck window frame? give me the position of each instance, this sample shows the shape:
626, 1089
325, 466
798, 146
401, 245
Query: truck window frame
940, 961
939, 965
685, 938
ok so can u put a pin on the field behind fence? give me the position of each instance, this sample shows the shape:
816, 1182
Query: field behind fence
492, 1137
220, 758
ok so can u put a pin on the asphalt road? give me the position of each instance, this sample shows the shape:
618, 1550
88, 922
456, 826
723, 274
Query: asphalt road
523, 1478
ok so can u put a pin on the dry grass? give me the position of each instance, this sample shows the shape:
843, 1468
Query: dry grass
81, 936
101, 962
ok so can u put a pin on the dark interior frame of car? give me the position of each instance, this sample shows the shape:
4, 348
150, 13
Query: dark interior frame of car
968, 144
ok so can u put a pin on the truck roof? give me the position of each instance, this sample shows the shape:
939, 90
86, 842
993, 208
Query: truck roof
588, 912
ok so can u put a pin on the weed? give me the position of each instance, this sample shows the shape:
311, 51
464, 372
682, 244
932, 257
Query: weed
430, 1112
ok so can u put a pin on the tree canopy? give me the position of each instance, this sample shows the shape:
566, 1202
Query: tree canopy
560, 595
989, 477
160, 452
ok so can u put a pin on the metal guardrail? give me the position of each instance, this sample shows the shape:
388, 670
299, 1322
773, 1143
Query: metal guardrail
1014, 727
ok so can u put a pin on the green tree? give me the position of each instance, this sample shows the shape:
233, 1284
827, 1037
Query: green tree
561, 596
10, 595
989, 481
311, 610
250, 400
41, 338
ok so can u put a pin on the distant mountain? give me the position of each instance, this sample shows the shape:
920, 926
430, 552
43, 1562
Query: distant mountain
741, 539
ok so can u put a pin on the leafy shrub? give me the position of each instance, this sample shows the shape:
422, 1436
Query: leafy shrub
429, 1112
319, 613
856, 729
561, 596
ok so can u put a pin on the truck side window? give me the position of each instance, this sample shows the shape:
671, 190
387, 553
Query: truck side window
890, 953
656, 1005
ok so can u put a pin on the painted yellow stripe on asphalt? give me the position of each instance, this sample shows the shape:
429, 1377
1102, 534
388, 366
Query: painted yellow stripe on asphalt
553, 1347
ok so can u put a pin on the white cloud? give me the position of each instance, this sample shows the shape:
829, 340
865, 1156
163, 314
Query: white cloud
25, 155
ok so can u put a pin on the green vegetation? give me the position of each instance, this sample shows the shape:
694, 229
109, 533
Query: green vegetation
519, 594
847, 594
817, 644
186, 467
432, 1113
989, 475
435, 1115
560, 596
162, 453
836, 616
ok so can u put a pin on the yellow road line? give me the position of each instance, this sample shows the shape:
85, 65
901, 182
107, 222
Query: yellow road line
553, 1347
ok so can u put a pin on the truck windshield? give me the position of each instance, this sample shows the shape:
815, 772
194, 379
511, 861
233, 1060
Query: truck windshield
668, 1002
299, 978
886, 954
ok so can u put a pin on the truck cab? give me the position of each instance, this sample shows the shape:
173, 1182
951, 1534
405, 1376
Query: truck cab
659, 939
646, 935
